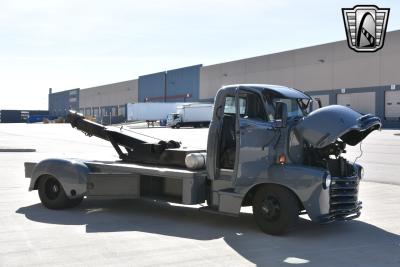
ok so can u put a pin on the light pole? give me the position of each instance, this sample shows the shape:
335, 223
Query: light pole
186, 96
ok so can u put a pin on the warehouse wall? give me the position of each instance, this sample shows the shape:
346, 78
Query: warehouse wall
383, 101
183, 84
180, 85
322, 67
325, 70
61, 102
108, 101
111, 94
151, 86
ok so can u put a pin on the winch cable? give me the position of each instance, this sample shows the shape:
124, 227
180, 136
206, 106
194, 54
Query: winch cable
359, 156
128, 130
168, 144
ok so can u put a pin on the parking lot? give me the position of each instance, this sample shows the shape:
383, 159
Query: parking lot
145, 233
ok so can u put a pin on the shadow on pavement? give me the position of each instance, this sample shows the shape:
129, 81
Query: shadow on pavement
337, 244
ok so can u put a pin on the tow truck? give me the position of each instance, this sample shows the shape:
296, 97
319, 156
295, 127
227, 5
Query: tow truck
266, 148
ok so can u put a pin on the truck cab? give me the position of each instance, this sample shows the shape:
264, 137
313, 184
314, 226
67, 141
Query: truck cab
267, 150
174, 120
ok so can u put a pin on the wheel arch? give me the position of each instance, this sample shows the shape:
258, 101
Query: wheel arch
36, 185
249, 196
72, 174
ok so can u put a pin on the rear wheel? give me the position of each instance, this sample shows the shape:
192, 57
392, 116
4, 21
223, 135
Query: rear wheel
52, 194
275, 209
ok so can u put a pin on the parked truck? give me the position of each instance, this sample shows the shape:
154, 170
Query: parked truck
265, 150
192, 115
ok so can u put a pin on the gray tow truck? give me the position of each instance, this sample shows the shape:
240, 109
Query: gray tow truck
265, 149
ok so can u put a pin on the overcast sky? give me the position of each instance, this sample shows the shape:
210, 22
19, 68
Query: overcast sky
80, 44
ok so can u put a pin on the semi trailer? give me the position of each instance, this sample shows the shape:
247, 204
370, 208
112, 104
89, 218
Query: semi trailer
150, 112
265, 149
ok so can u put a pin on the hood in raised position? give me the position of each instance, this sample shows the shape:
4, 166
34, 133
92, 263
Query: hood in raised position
325, 125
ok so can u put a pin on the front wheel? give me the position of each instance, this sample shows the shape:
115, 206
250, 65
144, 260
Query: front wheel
52, 194
275, 209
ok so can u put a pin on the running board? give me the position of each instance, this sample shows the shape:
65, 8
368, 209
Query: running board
212, 210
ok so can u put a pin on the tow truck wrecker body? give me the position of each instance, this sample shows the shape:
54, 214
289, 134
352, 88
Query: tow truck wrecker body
265, 150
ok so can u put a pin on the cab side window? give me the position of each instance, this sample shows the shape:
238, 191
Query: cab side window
252, 107
230, 105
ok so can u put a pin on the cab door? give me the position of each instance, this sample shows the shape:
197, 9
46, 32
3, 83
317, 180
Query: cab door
255, 134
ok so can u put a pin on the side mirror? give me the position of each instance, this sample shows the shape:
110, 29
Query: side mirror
281, 114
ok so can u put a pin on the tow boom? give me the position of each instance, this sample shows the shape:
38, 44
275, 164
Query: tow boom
139, 148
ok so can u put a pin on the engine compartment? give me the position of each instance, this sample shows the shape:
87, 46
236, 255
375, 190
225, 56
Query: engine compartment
330, 158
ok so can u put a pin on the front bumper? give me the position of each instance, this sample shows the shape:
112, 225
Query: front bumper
343, 200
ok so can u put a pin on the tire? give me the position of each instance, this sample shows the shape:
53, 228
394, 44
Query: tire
178, 126
52, 194
275, 209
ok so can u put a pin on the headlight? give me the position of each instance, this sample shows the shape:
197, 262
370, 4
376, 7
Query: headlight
327, 181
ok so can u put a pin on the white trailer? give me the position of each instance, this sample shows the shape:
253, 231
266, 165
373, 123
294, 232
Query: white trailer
150, 111
191, 114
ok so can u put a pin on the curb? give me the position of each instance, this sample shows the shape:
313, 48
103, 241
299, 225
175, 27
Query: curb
17, 150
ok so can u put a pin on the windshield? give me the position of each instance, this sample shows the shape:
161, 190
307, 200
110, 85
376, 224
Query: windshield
295, 107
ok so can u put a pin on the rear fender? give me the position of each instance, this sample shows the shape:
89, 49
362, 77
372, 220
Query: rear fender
72, 175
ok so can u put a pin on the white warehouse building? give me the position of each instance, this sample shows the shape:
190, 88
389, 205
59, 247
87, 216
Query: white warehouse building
368, 82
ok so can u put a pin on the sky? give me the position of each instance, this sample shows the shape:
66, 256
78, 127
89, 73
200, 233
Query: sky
85, 43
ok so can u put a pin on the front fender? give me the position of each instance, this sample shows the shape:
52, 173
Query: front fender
72, 174
304, 181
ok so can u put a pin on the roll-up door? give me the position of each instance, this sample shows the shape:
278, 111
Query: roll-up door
392, 104
361, 102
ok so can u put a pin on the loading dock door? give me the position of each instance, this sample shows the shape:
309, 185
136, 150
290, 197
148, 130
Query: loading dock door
392, 104
324, 99
361, 102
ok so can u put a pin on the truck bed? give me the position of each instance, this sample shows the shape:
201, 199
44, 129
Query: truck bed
143, 169
118, 179
134, 168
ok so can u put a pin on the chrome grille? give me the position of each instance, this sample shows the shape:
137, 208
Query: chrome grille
344, 204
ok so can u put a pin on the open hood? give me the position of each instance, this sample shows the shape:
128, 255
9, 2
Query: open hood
325, 125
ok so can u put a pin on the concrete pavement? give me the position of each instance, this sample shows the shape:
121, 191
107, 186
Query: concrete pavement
146, 233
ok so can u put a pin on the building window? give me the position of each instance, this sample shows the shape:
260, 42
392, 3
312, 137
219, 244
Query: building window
72, 93
73, 99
